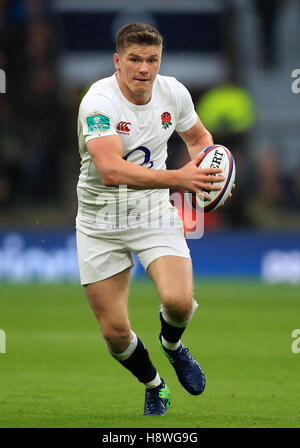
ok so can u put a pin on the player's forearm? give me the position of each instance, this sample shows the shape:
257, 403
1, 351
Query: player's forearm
203, 141
135, 176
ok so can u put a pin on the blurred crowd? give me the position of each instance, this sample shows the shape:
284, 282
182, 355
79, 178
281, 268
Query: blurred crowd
32, 112
39, 161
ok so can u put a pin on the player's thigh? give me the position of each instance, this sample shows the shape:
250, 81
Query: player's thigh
109, 301
173, 278
101, 255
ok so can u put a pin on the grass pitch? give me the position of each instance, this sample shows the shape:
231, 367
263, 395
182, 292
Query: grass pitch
57, 373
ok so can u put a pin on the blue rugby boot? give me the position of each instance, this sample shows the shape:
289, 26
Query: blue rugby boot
157, 400
188, 371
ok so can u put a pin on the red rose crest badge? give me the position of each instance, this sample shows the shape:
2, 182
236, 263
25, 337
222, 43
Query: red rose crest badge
166, 120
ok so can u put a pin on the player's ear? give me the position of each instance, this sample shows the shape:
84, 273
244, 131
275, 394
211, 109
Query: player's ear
116, 60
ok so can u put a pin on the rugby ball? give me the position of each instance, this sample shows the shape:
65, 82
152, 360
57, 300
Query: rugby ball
216, 156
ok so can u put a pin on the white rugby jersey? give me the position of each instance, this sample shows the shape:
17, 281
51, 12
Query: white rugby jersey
144, 131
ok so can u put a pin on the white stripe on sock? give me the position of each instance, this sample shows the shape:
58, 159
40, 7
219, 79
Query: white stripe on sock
154, 383
170, 345
128, 352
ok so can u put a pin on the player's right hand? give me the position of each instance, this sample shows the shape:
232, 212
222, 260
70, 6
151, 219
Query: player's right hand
199, 180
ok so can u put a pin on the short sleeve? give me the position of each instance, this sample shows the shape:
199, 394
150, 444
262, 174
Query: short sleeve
97, 117
187, 115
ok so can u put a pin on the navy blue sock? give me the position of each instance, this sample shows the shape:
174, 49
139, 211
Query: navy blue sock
169, 332
139, 363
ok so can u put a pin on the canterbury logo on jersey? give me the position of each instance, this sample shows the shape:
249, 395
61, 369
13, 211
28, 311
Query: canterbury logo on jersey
124, 127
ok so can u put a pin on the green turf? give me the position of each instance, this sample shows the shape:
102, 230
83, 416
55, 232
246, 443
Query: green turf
57, 372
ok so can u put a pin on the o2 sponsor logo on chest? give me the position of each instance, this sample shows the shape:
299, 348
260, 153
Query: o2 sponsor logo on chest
143, 154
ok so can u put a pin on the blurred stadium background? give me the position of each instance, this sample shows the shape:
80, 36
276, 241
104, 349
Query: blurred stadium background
237, 57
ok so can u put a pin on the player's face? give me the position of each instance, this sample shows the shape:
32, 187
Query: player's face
137, 67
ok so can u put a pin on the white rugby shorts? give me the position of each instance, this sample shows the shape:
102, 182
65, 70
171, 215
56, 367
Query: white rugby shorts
102, 253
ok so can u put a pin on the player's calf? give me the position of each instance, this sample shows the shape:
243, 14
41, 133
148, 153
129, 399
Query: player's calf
136, 359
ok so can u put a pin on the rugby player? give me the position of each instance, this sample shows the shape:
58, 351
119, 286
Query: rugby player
124, 124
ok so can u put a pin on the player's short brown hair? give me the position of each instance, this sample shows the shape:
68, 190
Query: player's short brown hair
137, 33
